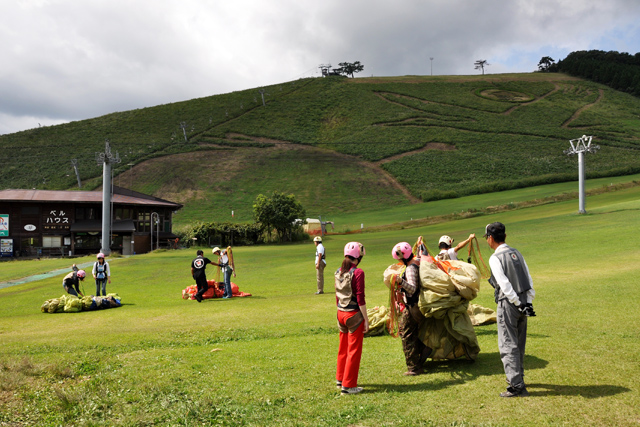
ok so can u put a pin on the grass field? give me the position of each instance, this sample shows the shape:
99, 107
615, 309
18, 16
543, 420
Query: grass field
270, 359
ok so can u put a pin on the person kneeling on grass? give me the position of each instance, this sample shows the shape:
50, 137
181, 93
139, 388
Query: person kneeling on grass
72, 280
352, 318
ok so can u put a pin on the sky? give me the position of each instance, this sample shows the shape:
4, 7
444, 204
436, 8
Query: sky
67, 60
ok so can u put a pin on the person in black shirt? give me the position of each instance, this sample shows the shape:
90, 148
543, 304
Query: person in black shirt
198, 266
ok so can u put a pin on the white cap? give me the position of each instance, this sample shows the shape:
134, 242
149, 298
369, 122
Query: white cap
214, 250
317, 239
446, 239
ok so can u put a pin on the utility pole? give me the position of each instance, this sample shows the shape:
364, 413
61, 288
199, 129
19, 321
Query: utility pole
106, 159
431, 59
581, 146
183, 125
74, 162
262, 94
155, 214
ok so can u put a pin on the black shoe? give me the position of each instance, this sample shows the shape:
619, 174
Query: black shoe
198, 298
319, 293
512, 392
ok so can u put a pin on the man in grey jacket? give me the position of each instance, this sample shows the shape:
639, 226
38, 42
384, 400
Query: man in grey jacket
514, 295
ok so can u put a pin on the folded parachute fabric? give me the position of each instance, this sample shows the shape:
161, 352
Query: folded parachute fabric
72, 304
216, 290
378, 317
481, 315
446, 289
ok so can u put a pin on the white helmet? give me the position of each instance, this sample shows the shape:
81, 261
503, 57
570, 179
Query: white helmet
446, 239
317, 239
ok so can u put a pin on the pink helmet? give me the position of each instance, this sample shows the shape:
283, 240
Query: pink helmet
100, 255
354, 249
81, 274
402, 251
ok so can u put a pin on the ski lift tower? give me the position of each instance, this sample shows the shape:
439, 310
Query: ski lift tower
106, 159
581, 146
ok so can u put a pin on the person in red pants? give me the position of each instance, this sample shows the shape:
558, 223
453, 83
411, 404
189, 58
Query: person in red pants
352, 317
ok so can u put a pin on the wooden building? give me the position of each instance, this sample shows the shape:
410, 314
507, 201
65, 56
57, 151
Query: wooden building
63, 223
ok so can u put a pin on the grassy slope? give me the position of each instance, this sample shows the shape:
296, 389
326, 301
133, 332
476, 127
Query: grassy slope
499, 143
153, 361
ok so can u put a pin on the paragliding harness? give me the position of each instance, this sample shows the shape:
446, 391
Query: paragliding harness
101, 270
397, 296
347, 301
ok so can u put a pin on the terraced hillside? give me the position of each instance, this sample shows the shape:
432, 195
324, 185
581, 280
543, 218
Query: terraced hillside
342, 145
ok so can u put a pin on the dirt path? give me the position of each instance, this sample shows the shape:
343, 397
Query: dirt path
515, 107
422, 101
374, 167
429, 146
580, 110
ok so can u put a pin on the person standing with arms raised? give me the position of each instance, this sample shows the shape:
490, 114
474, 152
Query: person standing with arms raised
228, 267
411, 319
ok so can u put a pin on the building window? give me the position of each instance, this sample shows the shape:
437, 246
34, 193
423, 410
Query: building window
124, 213
51, 241
87, 213
30, 241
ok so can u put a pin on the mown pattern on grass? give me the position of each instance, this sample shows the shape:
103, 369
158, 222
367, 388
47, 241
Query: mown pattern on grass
508, 131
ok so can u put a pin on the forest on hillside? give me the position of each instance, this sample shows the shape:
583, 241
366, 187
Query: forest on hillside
620, 71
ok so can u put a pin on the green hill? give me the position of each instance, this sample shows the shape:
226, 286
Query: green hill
342, 145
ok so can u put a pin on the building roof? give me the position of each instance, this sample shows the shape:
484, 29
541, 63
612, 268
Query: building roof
121, 196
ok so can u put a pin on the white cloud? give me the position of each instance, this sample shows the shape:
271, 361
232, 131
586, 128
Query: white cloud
71, 59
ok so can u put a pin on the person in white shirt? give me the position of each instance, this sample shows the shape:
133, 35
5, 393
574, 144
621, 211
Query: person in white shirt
321, 262
228, 268
449, 253
514, 295
101, 274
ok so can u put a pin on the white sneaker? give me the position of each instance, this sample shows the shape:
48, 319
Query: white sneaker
351, 390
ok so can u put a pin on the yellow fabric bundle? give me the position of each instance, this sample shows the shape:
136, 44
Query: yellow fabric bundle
378, 317
446, 288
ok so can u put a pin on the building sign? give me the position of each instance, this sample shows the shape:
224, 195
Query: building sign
6, 247
56, 220
4, 225
30, 227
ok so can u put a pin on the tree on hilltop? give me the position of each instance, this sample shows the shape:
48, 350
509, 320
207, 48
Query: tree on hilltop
480, 64
546, 63
349, 68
